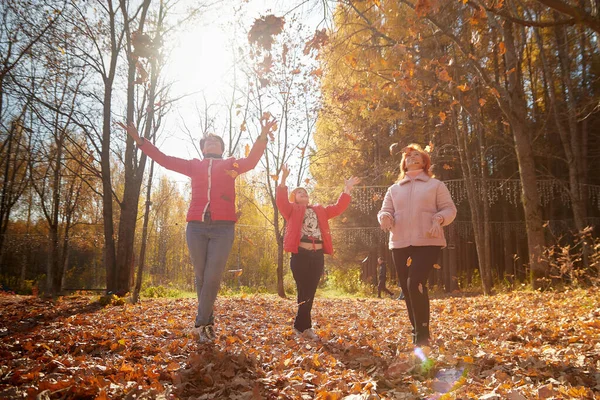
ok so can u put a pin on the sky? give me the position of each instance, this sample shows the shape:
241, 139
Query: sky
201, 66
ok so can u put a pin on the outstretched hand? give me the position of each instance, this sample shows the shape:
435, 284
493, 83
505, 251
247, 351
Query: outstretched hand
285, 172
267, 125
131, 131
349, 183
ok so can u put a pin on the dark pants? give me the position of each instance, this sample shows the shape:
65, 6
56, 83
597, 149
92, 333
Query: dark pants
382, 288
413, 280
307, 267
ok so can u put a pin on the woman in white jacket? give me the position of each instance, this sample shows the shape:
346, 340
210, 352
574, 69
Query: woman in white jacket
414, 210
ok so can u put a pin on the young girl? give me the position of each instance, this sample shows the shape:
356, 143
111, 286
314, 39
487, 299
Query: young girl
308, 238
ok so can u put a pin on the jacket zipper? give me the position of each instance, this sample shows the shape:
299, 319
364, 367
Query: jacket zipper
210, 161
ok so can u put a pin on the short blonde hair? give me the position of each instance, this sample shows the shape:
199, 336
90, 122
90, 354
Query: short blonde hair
426, 160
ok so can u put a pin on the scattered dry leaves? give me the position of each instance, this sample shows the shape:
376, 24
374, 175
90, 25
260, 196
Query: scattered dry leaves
520, 345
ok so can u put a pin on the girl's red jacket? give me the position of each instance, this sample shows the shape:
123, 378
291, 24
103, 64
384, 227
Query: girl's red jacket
294, 215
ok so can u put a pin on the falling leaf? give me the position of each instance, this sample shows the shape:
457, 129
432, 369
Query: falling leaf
502, 48
442, 116
437, 266
447, 167
495, 92
246, 150
344, 219
307, 181
463, 87
408, 261
275, 177
295, 71
319, 39
482, 102
263, 29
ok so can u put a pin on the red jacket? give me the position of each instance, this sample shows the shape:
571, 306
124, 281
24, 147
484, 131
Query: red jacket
294, 215
213, 179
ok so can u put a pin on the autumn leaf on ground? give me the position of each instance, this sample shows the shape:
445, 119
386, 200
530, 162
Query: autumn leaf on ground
514, 345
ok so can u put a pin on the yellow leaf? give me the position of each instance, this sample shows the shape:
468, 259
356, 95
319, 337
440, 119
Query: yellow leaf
468, 359
437, 266
275, 177
243, 126
442, 116
122, 342
247, 150
126, 368
344, 162
408, 261
482, 102
463, 88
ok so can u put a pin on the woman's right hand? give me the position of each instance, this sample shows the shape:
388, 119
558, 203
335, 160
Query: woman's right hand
131, 131
285, 171
387, 223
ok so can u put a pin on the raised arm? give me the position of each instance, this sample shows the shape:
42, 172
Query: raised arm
173, 163
344, 200
259, 146
281, 195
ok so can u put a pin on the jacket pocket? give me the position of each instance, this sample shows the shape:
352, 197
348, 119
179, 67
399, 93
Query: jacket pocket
425, 224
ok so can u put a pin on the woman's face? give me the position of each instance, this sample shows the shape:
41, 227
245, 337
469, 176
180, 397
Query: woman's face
301, 197
212, 145
414, 160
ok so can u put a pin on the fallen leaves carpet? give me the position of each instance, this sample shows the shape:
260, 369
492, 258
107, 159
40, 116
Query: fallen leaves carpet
520, 345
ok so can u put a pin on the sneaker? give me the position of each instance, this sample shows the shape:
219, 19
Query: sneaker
310, 334
307, 334
206, 333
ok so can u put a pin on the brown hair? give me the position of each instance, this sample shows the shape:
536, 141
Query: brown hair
426, 160
211, 135
293, 194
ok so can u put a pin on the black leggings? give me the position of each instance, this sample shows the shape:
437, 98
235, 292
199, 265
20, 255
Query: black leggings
307, 267
413, 280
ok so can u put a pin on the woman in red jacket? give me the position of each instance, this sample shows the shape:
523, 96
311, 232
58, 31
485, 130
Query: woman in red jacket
211, 216
308, 238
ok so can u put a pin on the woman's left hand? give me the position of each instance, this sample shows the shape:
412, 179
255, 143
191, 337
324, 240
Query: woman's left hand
436, 228
350, 183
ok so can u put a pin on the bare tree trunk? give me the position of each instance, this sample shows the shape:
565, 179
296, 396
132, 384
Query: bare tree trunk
142, 259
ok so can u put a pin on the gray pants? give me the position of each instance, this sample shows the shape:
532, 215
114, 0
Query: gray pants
209, 244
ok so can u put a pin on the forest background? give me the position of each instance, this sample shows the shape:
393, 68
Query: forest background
504, 95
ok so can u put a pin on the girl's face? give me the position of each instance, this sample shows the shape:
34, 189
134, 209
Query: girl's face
301, 197
414, 160
212, 145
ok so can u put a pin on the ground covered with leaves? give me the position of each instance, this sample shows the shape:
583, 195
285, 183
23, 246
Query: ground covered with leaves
520, 345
